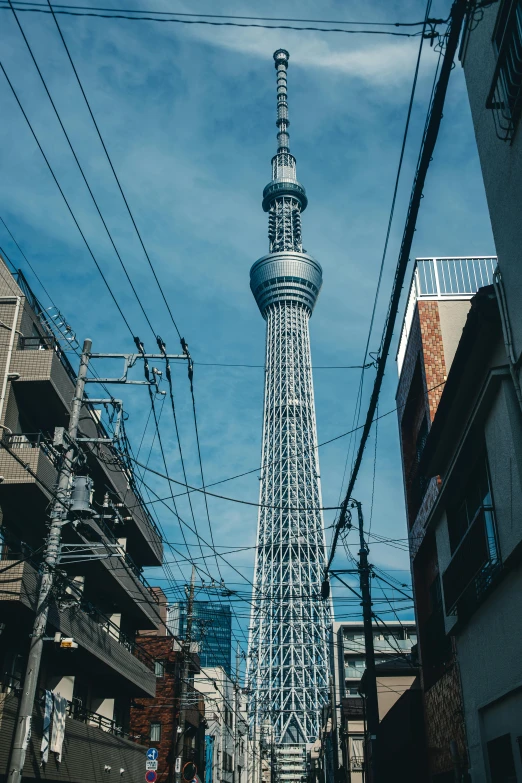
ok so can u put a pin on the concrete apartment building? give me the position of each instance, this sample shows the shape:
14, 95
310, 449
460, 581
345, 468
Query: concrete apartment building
348, 655
436, 312
98, 603
157, 719
227, 727
491, 55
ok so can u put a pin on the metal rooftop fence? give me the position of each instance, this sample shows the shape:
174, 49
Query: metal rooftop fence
443, 279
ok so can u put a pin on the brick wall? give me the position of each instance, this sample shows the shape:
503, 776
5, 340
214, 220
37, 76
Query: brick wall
164, 709
433, 352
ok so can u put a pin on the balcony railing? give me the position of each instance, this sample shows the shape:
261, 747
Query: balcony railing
357, 763
505, 94
115, 632
472, 567
417, 484
353, 672
47, 343
126, 558
32, 440
75, 709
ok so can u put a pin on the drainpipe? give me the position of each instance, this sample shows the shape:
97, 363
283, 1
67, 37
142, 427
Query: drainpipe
507, 334
5, 300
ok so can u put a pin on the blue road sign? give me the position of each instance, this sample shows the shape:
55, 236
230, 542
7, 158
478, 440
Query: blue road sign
152, 754
151, 776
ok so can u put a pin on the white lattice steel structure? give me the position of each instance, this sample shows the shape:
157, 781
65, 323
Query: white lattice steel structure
288, 661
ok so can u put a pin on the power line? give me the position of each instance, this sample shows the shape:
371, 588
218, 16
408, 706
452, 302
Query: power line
151, 266
319, 445
231, 16
113, 297
75, 156
204, 491
358, 402
208, 22
315, 366
427, 147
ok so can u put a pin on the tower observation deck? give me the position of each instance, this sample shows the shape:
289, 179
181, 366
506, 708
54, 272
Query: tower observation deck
288, 664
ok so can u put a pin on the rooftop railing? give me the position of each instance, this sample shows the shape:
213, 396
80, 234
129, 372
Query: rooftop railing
443, 279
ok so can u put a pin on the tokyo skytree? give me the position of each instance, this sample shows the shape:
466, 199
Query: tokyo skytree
288, 660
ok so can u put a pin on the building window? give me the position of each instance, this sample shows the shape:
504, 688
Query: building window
356, 745
501, 761
473, 541
505, 94
227, 762
159, 668
155, 732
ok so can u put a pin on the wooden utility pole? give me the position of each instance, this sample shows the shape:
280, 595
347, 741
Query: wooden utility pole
185, 671
372, 703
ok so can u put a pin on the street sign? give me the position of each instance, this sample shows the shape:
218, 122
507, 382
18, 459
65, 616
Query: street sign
151, 776
152, 754
151, 764
178, 764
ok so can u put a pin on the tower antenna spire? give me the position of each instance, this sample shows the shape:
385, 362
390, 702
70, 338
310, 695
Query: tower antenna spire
281, 58
288, 647
284, 198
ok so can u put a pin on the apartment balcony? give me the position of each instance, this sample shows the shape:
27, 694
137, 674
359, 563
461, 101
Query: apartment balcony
393, 646
103, 649
92, 744
108, 470
473, 568
117, 575
46, 378
352, 708
353, 673
26, 490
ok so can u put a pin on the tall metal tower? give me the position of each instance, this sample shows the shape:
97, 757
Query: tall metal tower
288, 664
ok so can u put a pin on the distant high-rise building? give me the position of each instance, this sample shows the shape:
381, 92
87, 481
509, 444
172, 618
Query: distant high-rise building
288, 661
213, 630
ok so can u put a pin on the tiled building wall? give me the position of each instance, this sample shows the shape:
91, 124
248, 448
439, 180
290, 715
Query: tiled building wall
433, 352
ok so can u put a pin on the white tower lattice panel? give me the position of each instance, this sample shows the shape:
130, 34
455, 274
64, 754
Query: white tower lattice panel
288, 663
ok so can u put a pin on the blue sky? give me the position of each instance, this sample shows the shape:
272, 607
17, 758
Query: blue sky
188, 115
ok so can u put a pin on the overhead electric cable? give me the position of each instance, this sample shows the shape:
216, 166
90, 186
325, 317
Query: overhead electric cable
387, 237
319, 445
428, 145
131, 215
208, 22
228, 16
113, 297
205, 491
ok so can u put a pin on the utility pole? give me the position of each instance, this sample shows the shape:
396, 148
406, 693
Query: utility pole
335, 736
254, 742
235, 771
372, 704
185, 670
58, 519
